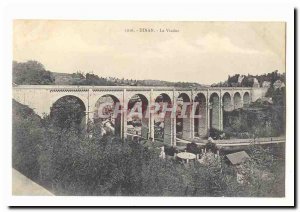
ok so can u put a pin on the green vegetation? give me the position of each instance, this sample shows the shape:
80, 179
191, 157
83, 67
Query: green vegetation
34, 73
27, 137
31, 73
265, 171
248, 80
260, 119
68, 112
56, 152
67, 162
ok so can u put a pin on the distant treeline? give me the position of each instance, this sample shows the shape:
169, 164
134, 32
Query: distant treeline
35, 73
31, 73
249, 80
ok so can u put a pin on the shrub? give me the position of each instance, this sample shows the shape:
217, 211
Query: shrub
211, 146
68, 163
27, 137
170, 150
193, 148
216, 134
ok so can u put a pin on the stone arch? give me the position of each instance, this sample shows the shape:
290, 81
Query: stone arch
246, 99
162, 119
137, 116
183, 108
200, 120
227, 107
163, 97
68, 110
55, 96
214, 111
107, 115
237, 99
227, 103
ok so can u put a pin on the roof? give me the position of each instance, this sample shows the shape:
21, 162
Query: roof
237, 157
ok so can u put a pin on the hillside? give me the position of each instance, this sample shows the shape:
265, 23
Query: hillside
263, 80
34, 73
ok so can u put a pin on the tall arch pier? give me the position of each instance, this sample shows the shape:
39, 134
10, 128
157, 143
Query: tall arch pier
166, 113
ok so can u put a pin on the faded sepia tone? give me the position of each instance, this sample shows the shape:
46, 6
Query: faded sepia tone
104, 47
148, 108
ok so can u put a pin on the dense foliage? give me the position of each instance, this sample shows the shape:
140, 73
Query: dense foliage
260, 119
55, 151
248, 80
27, 137
68, 112
34, 73
71, 163
79, 78
31, 73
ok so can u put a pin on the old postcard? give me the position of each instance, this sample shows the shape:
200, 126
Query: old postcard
149, 108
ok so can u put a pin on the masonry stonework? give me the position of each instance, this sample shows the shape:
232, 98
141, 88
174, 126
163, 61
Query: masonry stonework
41, 97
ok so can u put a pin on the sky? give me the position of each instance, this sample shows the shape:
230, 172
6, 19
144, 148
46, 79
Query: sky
202, 52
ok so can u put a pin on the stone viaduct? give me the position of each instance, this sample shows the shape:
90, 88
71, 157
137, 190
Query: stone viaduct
212, 102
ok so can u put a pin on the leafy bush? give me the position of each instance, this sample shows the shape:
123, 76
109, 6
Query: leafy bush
211, 146
68, 112
248, 80
69, 163
31, 73
193, 148
216, 134
170, 150
27, 137
260, 119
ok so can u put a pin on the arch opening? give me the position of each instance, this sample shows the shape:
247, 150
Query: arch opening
137, 117
162, 119
237, 100
107, 115
183, 116
227, 105
69, 112
246, 99
200, 120
214, 111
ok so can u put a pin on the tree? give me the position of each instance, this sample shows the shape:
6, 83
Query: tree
27, 137
78, 78
69, 164
264, 172
68, 112
31, 73
192, 148
247, 81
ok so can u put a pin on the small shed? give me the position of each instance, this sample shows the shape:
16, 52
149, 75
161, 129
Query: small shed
238, 157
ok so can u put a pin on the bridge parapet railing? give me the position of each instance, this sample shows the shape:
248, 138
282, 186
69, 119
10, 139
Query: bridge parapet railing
59, 88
